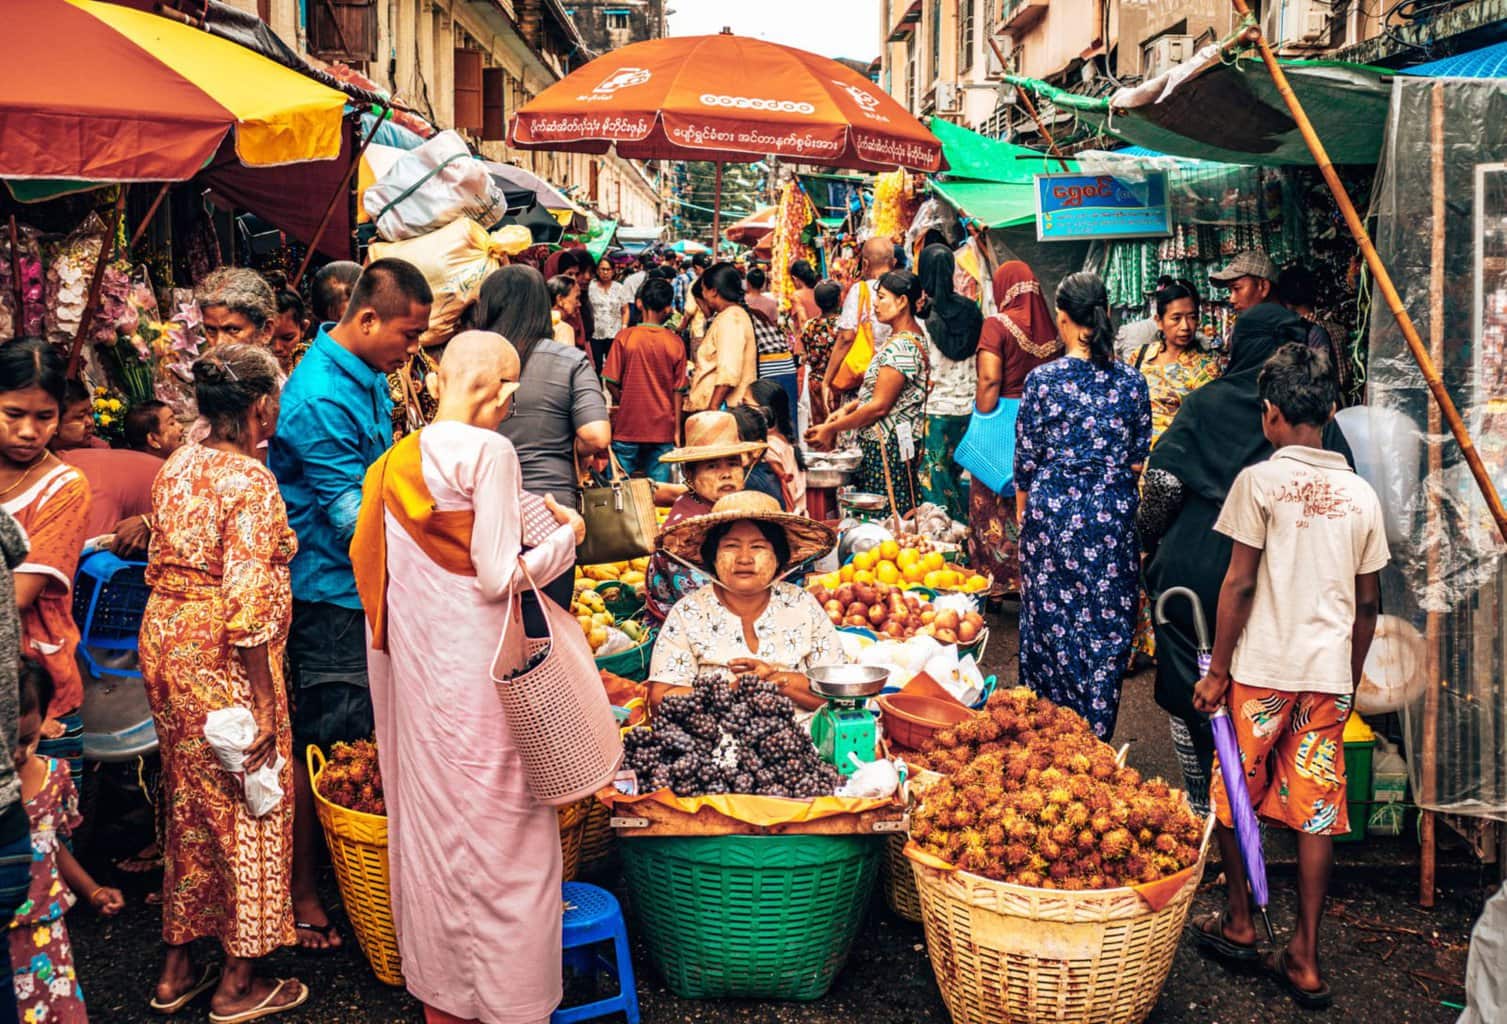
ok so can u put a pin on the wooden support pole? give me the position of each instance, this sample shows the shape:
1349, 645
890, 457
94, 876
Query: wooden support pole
146, 221
15, 276
1025, 101
717, 213
1428, 755
91, 302
329, 210
1380, 275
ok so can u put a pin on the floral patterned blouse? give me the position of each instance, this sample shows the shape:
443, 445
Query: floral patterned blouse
1170, 383
701, 635
817, 338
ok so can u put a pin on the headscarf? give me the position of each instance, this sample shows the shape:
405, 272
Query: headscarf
565, 261
1217, 430
1023, 310
952, 322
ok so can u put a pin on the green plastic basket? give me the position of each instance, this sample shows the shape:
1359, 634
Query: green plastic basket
752, 917
634, 662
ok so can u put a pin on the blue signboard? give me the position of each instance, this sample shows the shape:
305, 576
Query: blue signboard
1073, 207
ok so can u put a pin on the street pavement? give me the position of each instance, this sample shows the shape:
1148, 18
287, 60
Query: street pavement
1387, 959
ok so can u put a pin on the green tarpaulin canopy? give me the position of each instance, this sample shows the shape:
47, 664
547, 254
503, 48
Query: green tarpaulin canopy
1211, 109
991, 181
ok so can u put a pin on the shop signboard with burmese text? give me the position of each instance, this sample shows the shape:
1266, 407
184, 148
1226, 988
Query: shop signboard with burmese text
1077, 207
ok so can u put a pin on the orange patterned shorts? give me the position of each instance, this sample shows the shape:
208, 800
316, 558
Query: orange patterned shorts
1293, 750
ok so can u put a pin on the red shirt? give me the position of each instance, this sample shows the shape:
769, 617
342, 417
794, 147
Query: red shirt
648, 364
120, 482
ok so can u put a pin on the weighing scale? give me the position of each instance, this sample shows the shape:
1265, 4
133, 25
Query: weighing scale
846, 725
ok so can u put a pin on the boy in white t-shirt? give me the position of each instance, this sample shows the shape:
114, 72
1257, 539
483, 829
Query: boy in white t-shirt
1297, 612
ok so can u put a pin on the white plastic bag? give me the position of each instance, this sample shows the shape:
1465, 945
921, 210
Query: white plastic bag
874, 780
1486, 966
431, 186
229, 731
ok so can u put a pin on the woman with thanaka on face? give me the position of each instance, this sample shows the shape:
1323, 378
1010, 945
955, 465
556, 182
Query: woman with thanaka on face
444, 552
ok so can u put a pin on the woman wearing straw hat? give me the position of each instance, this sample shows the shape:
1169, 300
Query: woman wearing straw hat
715, 463
748, 620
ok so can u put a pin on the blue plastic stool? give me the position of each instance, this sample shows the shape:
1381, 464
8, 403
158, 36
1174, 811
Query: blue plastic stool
109, 598
592, 915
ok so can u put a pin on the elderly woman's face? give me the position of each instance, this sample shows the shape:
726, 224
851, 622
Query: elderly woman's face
716, 477
746, 561
223, 326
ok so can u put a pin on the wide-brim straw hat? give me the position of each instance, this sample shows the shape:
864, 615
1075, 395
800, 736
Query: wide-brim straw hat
712, 435
807, 537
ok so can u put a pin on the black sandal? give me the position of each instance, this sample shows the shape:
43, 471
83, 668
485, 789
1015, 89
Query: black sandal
1218, 945
1320, 998
328, 932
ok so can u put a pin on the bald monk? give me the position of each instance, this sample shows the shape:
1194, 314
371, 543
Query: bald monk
440, 553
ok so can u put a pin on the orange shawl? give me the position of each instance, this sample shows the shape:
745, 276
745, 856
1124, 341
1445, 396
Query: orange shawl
395, 484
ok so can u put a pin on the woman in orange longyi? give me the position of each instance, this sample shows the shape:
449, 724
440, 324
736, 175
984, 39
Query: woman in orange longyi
212, 638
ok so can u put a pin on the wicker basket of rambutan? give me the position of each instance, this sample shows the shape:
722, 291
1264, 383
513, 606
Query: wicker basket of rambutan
1054, 882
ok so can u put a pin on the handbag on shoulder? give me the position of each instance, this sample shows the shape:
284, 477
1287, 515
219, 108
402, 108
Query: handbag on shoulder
856, 363
620, 520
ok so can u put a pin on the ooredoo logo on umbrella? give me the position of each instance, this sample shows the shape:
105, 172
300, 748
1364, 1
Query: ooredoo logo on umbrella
622, 78
757, 103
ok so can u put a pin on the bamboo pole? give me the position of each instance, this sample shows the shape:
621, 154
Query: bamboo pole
146, 221
329, 209
1428, 756
91, 303
1025, 100
717, 213
1380, 275
15, 276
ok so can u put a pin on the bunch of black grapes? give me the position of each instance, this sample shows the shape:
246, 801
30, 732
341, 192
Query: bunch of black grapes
728, 738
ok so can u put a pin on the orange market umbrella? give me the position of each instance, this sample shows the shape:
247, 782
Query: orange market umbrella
97, 92
725, 98
753, 227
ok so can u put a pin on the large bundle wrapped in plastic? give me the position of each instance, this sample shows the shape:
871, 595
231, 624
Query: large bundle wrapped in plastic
454, 260
431, 186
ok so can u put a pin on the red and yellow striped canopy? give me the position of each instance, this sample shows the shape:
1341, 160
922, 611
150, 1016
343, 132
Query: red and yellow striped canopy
96, 92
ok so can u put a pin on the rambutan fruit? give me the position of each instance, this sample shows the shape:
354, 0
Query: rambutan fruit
1050, 815
1048, 883
1096, 881
1016, 768
1061, 833
1103, 768
962, 817
1016, 854
1185, 855
1080, 786
988, 731
1133, 866
1059, 871
1087, 840
1076, 815
1165, 843
994, 834
945, 738
968, 730
1029, 879
1115, 844
1145, 836
1059, 796
1030, 802
1127, 777
978, 798
1048, 849
1021, 831
1053, 777
1072, 884
1157, 788
1037, 863
1079, 764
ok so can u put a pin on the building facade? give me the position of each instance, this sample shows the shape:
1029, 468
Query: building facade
467, 65
606, 25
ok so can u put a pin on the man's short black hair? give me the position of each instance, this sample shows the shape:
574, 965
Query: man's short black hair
701, 260
828, 296
657, 295
757, 278
1297, 287
390, 288
140, 421
1299, 381
332, 282
74, 392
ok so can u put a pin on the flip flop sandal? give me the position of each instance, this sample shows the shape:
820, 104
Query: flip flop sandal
328, 932
207, 980
1214, 942
1320, 998
266, 1007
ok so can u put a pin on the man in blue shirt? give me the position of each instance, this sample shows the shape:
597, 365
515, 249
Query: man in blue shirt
336, 420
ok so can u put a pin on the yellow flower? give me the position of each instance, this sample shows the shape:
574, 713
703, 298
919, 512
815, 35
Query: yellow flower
115, 405
101, 391
105, 419
41, 936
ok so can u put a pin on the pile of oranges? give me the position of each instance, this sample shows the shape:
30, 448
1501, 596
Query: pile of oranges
905, 566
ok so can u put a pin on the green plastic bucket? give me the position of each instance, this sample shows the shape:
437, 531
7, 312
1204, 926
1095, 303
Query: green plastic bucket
750, 917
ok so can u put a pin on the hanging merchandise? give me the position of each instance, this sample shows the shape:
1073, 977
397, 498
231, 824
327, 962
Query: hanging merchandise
431, 186
21, 301
792, 216
68, 276
887, 212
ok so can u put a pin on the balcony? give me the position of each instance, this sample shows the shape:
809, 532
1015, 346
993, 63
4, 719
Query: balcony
1017, 16
907, 17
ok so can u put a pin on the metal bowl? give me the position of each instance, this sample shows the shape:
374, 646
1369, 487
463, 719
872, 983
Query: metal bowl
861, 500
822, 478
848, 681
861, 538
843, 461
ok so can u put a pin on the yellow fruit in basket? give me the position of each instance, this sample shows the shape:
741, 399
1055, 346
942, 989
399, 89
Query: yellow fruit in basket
597, 637
914, 572
633, 578
863, 576
832, 580
976, 583
886, 572
845, 574
907, 557
865, 561
932, 579
889, 550
586, 623
933, 561
602, 619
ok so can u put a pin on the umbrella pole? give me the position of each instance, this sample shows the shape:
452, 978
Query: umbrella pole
1025, 100
329, 209
1380, 275
717, 212
146, 221
91, 304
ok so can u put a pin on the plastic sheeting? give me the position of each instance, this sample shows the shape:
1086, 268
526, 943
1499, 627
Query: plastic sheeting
1448, 577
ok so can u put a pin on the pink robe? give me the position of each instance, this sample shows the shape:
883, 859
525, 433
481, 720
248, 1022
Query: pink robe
475, 860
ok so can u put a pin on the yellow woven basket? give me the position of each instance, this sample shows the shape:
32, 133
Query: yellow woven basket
1008, 954
358, 848
899, 880
572, 818
596, 839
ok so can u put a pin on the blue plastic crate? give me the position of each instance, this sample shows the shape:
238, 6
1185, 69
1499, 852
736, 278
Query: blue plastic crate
109, 597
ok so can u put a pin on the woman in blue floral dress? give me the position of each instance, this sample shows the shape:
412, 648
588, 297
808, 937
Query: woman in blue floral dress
1083, 432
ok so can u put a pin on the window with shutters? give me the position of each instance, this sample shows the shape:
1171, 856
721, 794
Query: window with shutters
965, 35
493, 105
468, 98
343, 29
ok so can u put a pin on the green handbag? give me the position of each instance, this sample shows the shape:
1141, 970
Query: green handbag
620, 520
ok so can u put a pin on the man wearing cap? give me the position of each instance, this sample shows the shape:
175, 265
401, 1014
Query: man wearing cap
1250, 277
